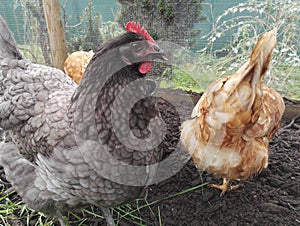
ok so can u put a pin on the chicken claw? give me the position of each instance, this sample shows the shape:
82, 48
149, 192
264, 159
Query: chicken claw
226, 186
108, 216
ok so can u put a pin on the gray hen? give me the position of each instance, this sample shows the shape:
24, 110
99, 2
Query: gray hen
78, 145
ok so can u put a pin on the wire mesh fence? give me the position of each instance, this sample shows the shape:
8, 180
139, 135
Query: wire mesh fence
81, 21
230, 29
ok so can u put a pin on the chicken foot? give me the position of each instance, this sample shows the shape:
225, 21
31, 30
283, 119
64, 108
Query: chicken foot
106, 212
62, 221
226, 186
108, 216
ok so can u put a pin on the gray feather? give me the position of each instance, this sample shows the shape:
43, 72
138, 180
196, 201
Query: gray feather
49, 119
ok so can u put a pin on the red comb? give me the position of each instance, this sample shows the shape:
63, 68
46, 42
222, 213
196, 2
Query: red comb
136, 28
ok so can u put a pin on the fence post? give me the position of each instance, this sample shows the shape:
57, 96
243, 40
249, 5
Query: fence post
56, 32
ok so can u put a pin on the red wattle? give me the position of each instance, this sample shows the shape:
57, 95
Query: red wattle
145, 67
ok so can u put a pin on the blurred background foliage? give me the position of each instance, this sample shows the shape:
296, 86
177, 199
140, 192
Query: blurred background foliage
217, 36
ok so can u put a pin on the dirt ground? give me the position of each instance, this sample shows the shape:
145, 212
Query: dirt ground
271, 198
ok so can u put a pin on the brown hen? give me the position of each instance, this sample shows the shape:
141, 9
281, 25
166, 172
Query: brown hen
76, 63
235, 119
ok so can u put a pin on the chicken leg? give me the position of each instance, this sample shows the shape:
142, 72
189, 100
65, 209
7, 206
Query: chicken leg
225, 186
108, 216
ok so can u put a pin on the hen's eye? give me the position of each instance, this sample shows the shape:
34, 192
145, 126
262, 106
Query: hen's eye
136, 46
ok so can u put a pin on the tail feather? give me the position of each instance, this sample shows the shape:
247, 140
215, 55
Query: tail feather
8, 47
255, 68
19, 171
26, 179
15, 166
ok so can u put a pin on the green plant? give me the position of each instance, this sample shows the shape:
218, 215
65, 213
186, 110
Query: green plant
247, 21
166, 9
26, 20
35, 8
109, 30
14, 211
190, 71
197, 72
85, 35
165, 19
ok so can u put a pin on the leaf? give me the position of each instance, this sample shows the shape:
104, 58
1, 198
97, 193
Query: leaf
235, 50
241, 9
220, 34
284, 50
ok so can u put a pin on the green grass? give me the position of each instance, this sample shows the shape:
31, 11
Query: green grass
10, 210
197, 76
194, 75
199, 70
32, 52
286, 80
16, 210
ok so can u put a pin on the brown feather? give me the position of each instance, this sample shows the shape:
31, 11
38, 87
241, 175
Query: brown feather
235, 119
76, 63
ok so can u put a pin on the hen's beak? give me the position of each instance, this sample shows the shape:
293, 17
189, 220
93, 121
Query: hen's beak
156, 52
